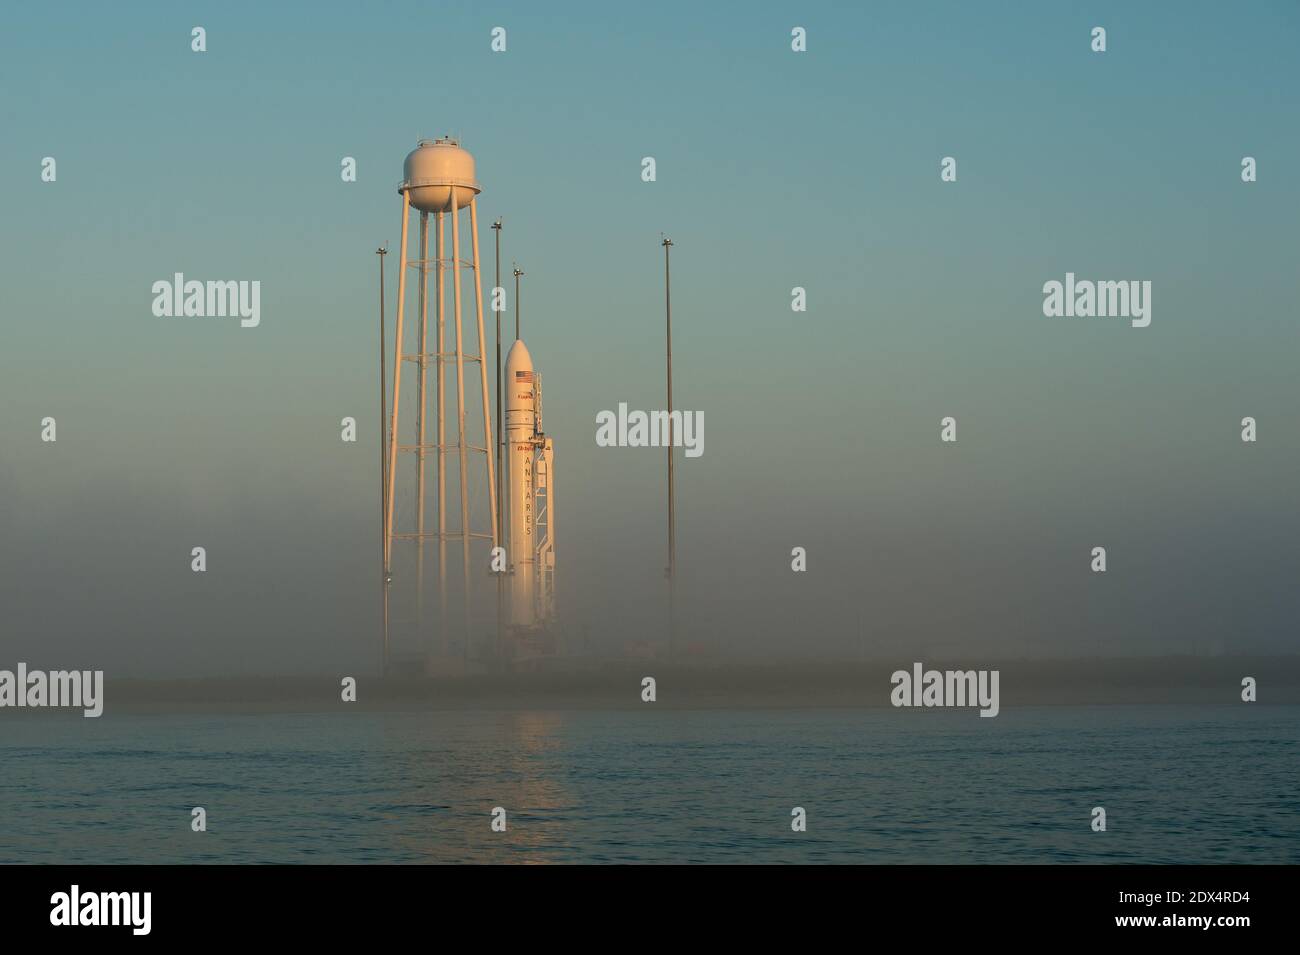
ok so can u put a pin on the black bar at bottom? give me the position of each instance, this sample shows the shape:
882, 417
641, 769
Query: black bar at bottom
331, 904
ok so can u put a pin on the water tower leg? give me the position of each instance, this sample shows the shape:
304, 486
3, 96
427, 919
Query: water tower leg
460, 418
397, 380
419, 421
442, 446
482, 363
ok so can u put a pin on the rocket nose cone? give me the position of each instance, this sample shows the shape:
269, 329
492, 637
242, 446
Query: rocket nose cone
518, 358
519, 377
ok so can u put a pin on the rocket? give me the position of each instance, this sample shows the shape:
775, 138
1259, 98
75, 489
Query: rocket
530, 506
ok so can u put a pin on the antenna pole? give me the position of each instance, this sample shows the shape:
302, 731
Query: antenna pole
672, 516
383, 465
518, 273
501, 583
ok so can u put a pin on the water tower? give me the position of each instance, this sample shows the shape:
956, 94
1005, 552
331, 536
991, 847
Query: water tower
439, 182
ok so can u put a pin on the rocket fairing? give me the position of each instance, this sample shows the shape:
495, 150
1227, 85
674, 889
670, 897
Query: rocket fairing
530, 510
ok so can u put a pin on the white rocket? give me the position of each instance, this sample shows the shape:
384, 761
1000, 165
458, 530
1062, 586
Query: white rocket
529, 495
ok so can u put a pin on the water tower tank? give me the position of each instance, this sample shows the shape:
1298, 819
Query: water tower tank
432, 168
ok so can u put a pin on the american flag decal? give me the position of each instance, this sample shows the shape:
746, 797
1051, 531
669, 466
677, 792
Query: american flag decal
523, 376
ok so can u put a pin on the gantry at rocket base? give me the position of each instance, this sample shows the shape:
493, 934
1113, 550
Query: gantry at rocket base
439, 182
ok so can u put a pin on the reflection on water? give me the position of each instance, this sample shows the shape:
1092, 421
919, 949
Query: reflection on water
466, 765
1180, 784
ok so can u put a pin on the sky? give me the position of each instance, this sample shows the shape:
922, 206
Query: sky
774, 169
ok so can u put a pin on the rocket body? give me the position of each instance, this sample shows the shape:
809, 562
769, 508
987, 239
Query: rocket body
521, 431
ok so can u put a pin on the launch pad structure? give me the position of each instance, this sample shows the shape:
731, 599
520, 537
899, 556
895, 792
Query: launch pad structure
439, 181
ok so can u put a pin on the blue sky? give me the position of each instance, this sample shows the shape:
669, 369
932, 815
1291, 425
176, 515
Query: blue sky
775, 169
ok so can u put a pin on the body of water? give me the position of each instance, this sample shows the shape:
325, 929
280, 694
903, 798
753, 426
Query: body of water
1180, 784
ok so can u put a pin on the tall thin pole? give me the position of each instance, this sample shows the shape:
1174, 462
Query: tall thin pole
518, 272
420, 403
672, 515
383, 462
501, 583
